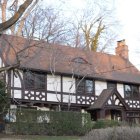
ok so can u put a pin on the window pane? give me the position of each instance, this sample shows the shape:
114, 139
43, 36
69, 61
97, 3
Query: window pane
39, 81
111, 85
29, 80
128, 91
80, 86
89, 86
135, 91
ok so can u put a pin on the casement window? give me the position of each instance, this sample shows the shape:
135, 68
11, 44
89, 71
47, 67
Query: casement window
85, 86
34, 80
131, 91
111, 85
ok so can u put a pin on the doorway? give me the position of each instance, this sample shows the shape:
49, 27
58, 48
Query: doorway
113, 114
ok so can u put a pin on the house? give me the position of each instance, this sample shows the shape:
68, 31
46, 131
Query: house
53, 77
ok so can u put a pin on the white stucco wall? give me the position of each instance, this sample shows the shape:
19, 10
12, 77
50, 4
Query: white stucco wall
1, 63
17, 82
53, 83
70, 98
17, 94
99, 86
68, 84
120, 89
53, 97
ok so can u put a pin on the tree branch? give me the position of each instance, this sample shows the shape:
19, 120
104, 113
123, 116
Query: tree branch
9, 67
7, 24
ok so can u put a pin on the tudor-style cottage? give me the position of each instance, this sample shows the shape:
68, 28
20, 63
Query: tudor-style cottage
51, 77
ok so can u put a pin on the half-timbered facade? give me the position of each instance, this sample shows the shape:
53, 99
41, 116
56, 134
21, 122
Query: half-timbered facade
55, 77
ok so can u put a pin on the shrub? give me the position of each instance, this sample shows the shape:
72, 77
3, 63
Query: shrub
51, 122
3, 100
105, 123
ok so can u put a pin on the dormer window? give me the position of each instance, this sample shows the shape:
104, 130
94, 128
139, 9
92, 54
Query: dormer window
79, 60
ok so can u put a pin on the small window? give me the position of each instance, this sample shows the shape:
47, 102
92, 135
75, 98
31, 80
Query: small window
111, 85
89, 86
80, 60
34, 80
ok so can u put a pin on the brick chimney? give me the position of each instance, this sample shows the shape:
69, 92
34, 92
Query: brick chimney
122, 49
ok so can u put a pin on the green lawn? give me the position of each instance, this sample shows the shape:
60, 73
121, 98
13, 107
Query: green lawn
37, 137
55, 138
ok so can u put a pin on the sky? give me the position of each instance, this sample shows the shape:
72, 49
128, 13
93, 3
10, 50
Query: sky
127, 14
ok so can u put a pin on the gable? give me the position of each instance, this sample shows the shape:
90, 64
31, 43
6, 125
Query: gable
109, 98
114, 100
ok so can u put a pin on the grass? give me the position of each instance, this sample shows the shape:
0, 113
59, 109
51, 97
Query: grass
55, 138
33, 137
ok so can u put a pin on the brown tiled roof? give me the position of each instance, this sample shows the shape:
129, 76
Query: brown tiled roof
103, 98
46, 57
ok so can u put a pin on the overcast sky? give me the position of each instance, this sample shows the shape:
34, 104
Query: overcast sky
127, 12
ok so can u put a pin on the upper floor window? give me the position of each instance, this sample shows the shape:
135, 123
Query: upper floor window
111, 85
85, 86
34, 80
131, 91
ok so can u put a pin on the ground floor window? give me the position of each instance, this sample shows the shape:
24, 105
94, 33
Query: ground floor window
133, 117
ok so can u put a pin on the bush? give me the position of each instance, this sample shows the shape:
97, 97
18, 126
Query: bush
51, 122
115, 133
4, 100
105, 123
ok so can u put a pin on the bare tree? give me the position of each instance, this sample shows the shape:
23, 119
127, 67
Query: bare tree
93, 28
45, 24
6, 24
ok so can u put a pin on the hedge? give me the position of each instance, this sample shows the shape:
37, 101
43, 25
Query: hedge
50, 122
